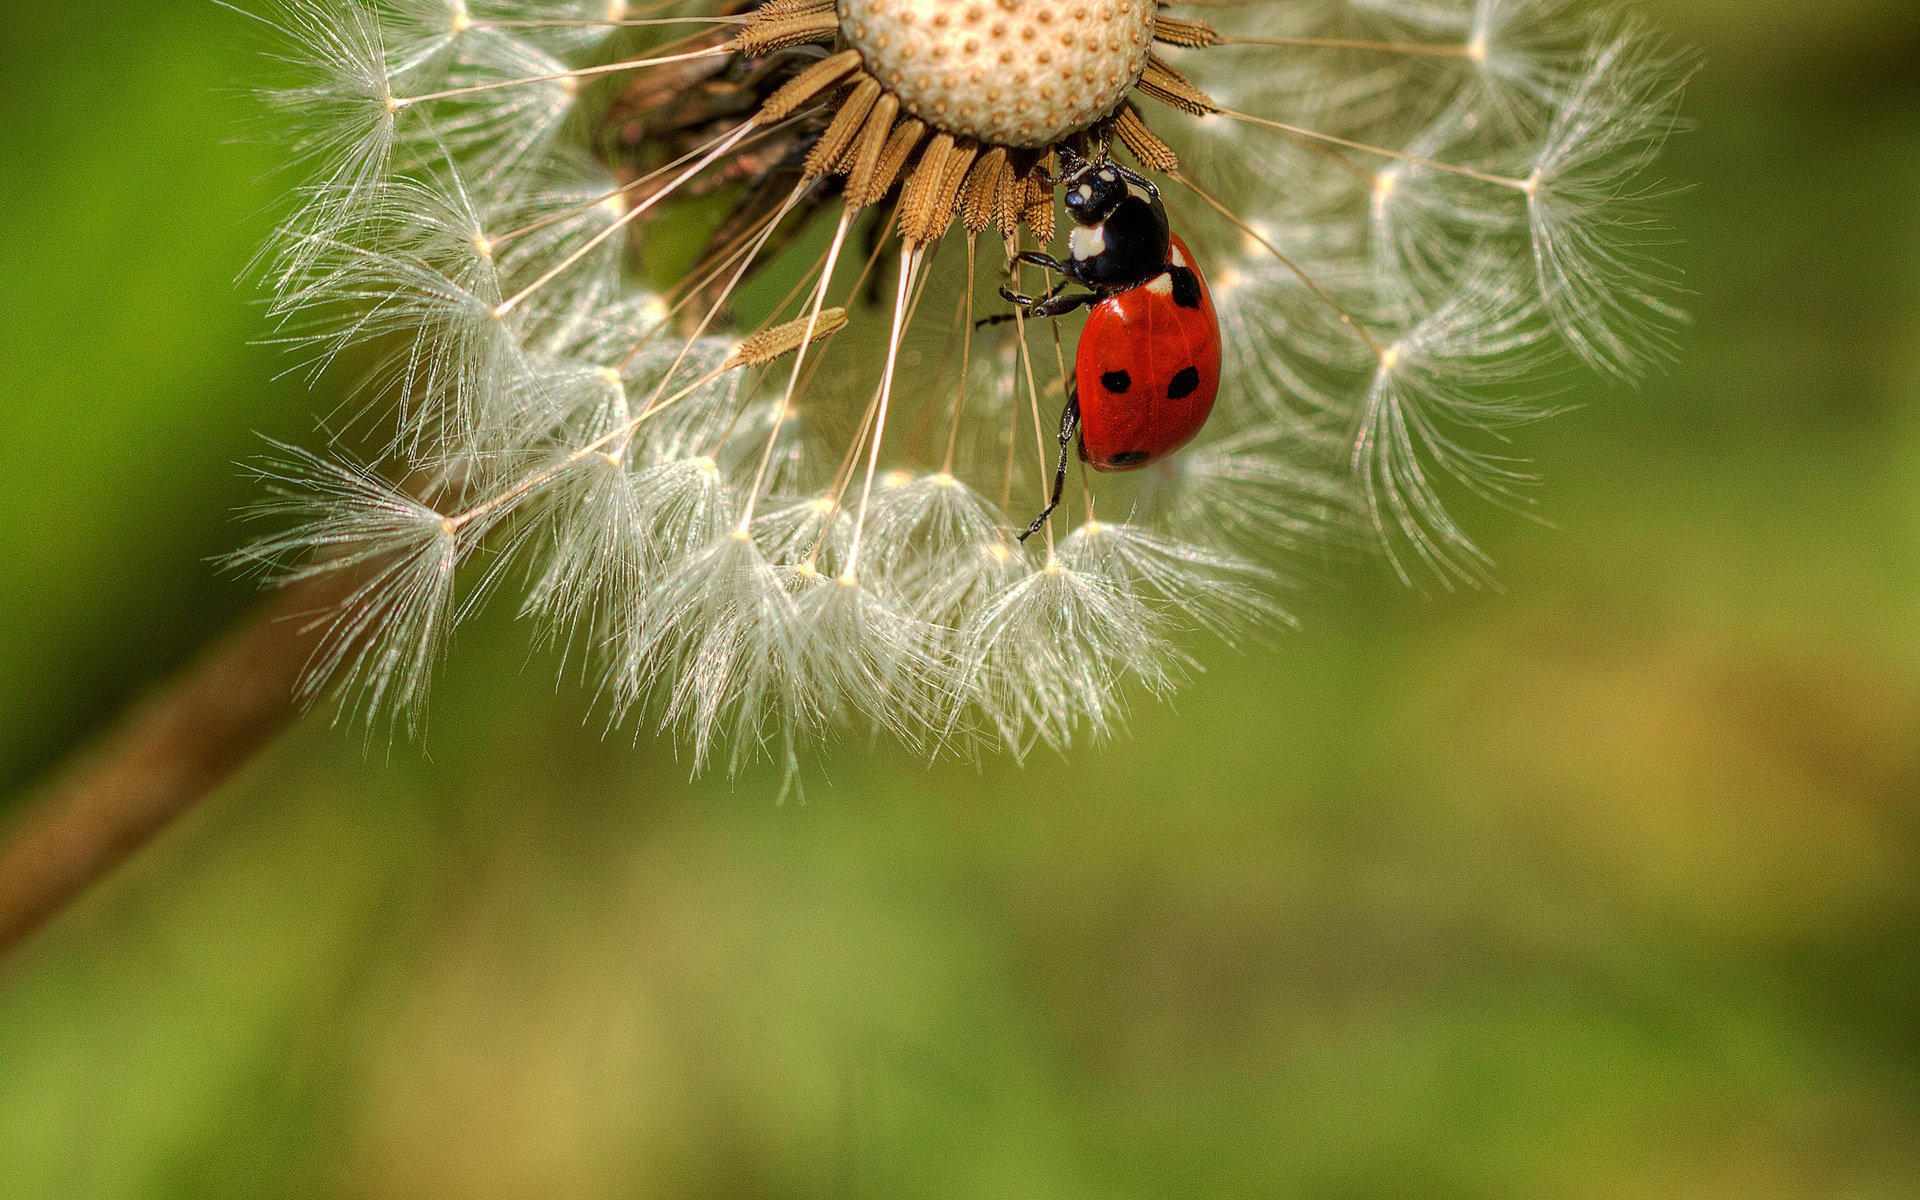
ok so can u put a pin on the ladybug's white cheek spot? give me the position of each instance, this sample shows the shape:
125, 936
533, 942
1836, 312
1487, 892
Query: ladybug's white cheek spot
1087, 241
1161, 284
1085, 193
1180, 259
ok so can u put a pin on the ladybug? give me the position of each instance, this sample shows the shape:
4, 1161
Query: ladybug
1148, 365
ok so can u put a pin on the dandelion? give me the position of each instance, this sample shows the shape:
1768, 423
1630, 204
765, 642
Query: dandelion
682, 323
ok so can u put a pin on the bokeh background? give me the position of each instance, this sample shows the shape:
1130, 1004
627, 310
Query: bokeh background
1604, 885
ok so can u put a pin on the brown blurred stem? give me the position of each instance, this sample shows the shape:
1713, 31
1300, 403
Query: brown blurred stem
159, 760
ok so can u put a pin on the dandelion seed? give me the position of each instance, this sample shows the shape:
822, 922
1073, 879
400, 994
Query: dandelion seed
1050, 655
381, 644
1589, 206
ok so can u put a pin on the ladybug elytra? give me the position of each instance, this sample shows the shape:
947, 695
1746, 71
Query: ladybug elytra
1148, 365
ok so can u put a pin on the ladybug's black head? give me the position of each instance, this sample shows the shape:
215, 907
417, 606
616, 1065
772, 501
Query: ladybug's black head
1093, 191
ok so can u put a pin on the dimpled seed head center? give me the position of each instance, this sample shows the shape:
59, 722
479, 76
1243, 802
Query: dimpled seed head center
1022, 73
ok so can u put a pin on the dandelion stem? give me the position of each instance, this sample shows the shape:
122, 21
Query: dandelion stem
1475, 50
1033, 401
609, 23
843, 478
632, 64
909, 270
745, 255
617, 435
586, 206
566, 264
1039, 423
966, 361
1066, 398
1309, 282
1298, 131
793, 381
163, 758
694, 285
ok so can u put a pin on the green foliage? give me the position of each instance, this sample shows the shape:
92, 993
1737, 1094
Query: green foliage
1603, 886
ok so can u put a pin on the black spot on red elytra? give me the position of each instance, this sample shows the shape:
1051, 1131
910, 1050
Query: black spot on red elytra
1129, 458
1186, 287
1184, 383
1116, 382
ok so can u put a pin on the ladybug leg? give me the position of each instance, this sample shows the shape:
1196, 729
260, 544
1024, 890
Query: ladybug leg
1023, 301
1069, 272
1044, 261
1057, 305
1134, 178
1053, 304
1069, 425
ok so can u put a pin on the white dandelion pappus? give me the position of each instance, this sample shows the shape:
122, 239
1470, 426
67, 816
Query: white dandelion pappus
766, 487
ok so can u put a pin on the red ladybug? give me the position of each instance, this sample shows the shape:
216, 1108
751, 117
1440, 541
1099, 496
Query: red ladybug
1148, 365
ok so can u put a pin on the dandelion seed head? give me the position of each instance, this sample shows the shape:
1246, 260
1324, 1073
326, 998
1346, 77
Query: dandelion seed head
672, 317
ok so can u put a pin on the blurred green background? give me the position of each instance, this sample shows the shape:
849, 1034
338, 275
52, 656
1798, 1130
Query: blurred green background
1607, 885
